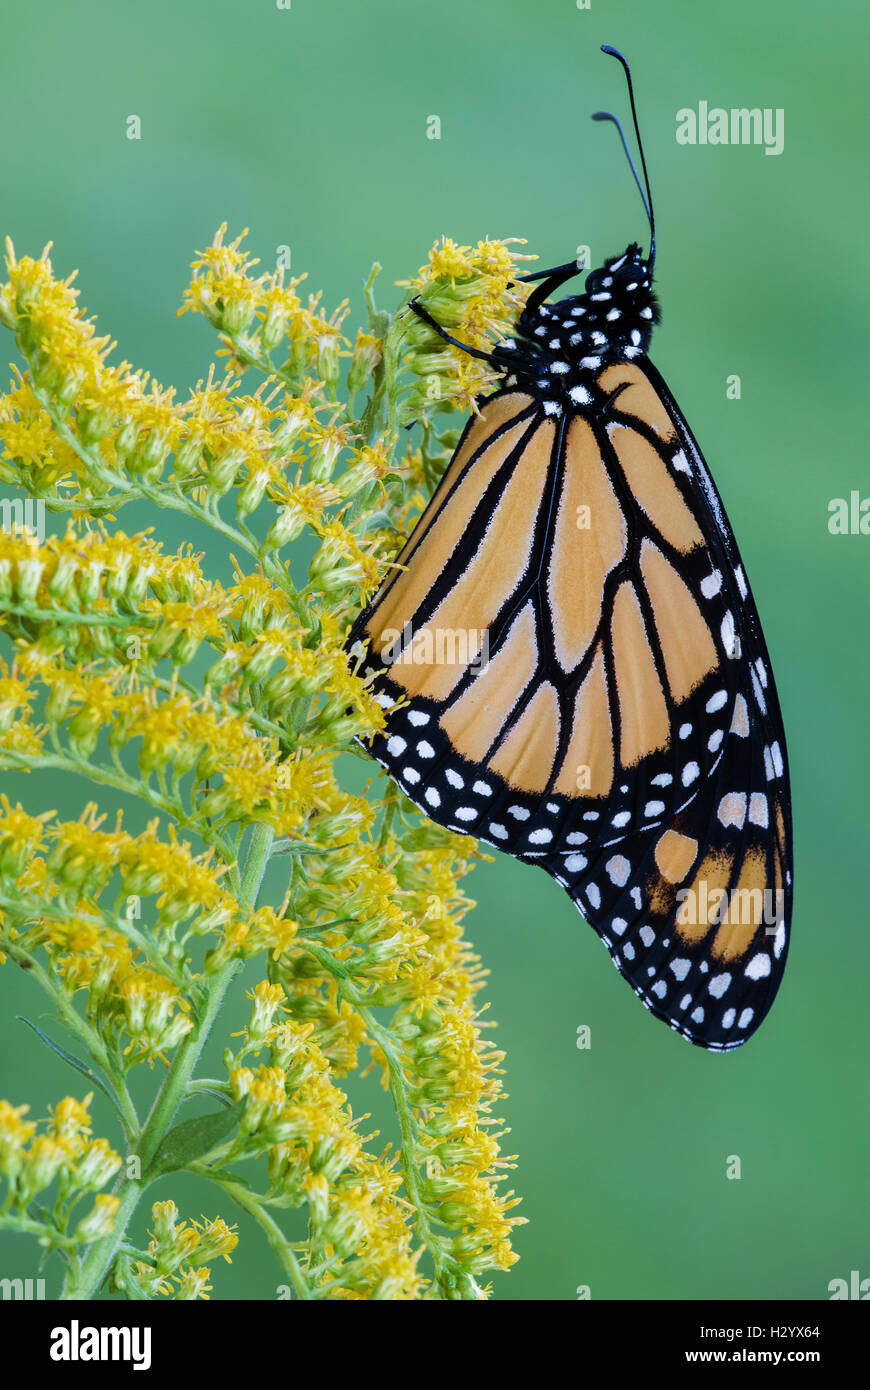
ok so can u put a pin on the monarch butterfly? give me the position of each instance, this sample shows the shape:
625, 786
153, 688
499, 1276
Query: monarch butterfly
613, 717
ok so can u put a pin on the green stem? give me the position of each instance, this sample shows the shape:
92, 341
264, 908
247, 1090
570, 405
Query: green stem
251, 1203
84, 1282
175, 1087
444, 1264
255, 865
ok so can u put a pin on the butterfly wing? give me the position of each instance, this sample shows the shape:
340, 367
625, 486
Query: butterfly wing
579, 678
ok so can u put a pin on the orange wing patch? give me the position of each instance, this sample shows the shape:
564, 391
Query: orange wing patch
638, 398
587, 767
686, 641
526, 757
702, 905
655, 489
643, 714
505, 551
674, 855
589, 539
475, 720
492, 417
745, 910
409, 589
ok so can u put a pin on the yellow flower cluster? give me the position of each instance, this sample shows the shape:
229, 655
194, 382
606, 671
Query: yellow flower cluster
62, 1152
172, 1247
260, 315
400, 945
362, 1235
222, 709
471, 292
92, 434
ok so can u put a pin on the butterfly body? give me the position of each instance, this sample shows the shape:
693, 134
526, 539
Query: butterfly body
573, 668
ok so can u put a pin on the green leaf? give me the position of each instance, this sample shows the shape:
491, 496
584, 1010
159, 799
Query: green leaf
300, 847
235, 1177
190, 1140
215, 1095
94, 1077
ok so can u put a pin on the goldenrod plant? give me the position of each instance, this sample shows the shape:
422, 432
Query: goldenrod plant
216, 716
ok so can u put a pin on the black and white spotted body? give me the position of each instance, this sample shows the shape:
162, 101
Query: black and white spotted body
560, 347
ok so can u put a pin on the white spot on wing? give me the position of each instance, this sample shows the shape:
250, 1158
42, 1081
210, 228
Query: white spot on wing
758, 967
540, 837
732, 809
618, 869
758, 810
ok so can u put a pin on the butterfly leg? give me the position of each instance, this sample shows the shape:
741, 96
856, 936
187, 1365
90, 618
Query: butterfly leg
442, 333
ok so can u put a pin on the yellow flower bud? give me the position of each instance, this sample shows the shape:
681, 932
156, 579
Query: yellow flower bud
100, 1220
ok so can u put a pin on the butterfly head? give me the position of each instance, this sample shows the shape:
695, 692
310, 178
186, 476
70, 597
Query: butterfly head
560, 345
618, 308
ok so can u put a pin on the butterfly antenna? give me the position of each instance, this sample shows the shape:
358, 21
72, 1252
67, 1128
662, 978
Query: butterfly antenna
609, 116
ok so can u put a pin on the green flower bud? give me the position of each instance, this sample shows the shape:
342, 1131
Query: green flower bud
93, 423
252, 492
288, 527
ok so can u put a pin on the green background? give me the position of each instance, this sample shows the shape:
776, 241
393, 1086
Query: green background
309, 126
